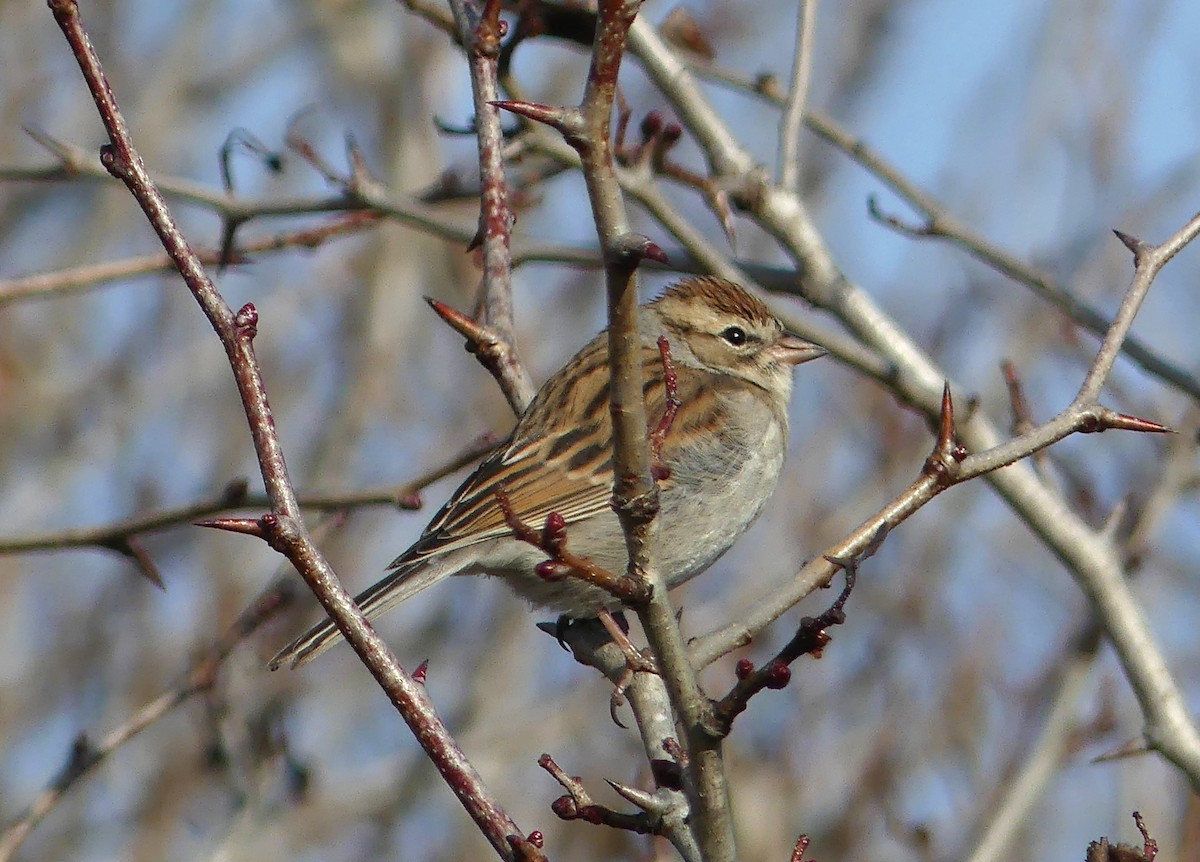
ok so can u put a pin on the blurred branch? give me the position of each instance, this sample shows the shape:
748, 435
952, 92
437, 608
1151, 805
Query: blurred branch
940, 223
283, 528
236, 497
93, 275
86, 755
1008, 816
1091, 558
792, 122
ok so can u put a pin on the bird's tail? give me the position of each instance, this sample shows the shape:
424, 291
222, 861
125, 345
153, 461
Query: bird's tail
401, 584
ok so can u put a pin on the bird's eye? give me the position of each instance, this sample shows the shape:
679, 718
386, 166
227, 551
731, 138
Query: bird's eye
735, 335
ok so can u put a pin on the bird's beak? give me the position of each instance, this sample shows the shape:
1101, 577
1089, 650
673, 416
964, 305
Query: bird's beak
794, 350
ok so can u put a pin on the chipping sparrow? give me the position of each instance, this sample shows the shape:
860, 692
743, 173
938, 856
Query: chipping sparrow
724, 452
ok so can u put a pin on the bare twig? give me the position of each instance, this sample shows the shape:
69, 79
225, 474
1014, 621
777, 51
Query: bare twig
651, 705
791, 124
480, 31
236, 496
561, 563
635, 494
1008, 816
724, 149
776, 673
578, 804
93, 275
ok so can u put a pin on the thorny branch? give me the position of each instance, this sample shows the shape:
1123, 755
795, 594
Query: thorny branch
481, 31
283, 527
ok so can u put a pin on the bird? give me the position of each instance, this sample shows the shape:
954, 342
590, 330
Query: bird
722, 456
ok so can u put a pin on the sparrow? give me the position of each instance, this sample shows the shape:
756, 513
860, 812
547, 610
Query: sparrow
722, 456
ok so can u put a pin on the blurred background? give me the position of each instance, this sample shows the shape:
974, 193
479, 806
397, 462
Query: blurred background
1040, 125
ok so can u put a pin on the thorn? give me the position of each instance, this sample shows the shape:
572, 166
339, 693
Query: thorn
1132, 748
946, 428
617, 700
1125, 422
419, 674
133, 548
566, 120
643, 800
459, 322
245, 526
1132, 243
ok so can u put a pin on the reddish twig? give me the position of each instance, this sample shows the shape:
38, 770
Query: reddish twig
658, 469
480, 31
587, 129
552, 539
283, 527
651, 157
810, 639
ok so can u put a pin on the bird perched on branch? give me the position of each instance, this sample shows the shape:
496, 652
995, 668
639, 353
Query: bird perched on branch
719, 460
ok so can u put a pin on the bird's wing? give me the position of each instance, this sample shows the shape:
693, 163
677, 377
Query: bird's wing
545, 467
